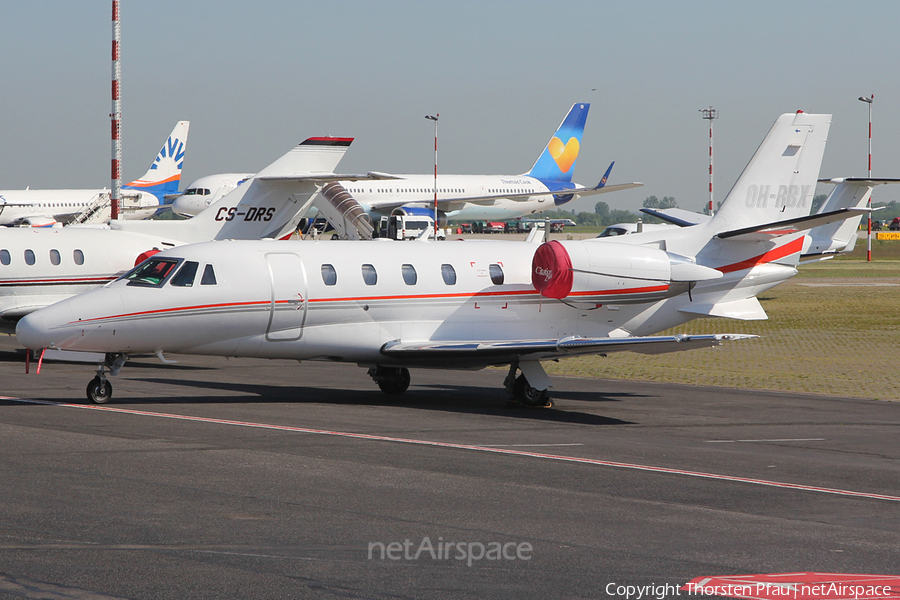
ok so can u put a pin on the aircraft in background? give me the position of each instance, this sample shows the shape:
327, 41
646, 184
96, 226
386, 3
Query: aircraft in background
390, 306
140, 198
206, 191
547, 185
42, 266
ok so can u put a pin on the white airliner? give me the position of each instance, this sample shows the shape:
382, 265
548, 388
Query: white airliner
388, 306
40, 266
140, 198
547, 185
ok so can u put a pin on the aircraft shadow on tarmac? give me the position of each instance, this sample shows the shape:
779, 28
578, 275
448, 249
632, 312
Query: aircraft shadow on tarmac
458, 399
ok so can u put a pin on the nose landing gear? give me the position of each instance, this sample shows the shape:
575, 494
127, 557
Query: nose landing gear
99, 390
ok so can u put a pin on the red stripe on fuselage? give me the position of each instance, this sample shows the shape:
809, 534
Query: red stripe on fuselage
476, 295
770, 256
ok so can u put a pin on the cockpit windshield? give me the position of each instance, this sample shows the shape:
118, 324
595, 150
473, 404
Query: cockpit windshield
152, 272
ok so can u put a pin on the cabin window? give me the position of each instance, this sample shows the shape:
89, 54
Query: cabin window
186, 274
209, 276
78, 255
152, 272
29, 257
449, 274
4, 256
409, 274
54, 257
329, 275
496, 272
370, 276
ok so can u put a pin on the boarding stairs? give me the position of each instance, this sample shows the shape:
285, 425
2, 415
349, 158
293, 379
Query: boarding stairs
95, 211
344, 213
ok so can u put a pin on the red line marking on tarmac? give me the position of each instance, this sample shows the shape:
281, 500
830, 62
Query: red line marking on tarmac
455, 446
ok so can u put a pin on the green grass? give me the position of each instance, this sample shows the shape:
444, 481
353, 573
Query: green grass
833, 329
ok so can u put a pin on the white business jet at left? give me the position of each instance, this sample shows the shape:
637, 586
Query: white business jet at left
140, 198
389, 306
41, 266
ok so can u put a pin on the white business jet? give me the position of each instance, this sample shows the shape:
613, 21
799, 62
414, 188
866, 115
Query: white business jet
41, 266
547, 185
140, 198
387, 306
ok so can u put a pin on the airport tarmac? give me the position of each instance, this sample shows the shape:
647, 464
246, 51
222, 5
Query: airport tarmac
244, 478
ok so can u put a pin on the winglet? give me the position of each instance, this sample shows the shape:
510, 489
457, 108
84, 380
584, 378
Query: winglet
605, 176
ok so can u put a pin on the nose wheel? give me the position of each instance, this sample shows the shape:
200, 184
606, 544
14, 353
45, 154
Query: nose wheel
99, 390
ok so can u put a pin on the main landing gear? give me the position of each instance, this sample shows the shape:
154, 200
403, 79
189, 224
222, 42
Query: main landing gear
99, 390
391, 380
520, 390
528, 389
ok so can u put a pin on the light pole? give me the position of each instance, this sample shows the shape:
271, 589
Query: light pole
435, 119
710, 114
869, 101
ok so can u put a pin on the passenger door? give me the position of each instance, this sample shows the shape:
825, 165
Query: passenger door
287, 314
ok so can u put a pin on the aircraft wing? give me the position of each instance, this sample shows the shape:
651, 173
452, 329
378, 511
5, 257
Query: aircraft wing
437, 354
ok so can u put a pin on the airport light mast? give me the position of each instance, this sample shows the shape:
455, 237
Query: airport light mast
869, 101
116, 116
435, 119
710, 114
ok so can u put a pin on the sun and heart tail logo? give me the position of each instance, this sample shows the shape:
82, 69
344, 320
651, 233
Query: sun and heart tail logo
564, 154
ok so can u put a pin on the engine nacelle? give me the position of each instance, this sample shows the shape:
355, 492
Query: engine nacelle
608, 272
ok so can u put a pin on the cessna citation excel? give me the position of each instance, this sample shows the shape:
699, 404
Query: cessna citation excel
42, 266
547, 185
140, 198
388, 307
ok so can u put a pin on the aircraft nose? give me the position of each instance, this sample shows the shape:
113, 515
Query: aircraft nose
31, 331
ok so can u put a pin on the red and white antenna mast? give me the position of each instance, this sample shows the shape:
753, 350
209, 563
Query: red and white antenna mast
710, 114
116, 115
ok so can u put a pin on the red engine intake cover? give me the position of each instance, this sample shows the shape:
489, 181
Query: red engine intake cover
144, 256
551, 270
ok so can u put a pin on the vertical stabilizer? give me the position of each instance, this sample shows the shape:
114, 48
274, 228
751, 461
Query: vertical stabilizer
164, 175
780, 180
557, 160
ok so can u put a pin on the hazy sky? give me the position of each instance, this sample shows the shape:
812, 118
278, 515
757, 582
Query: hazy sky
255, 78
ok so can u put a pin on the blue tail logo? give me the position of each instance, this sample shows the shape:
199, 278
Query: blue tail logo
172, 148
164, 174
557, 160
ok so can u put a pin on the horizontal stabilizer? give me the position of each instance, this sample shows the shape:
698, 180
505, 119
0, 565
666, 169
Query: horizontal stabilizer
317, 156
747, 309
676, 216
327, 177
768, 231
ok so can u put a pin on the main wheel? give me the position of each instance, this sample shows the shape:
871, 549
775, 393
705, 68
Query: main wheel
394, 381
528, 395
99, 391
